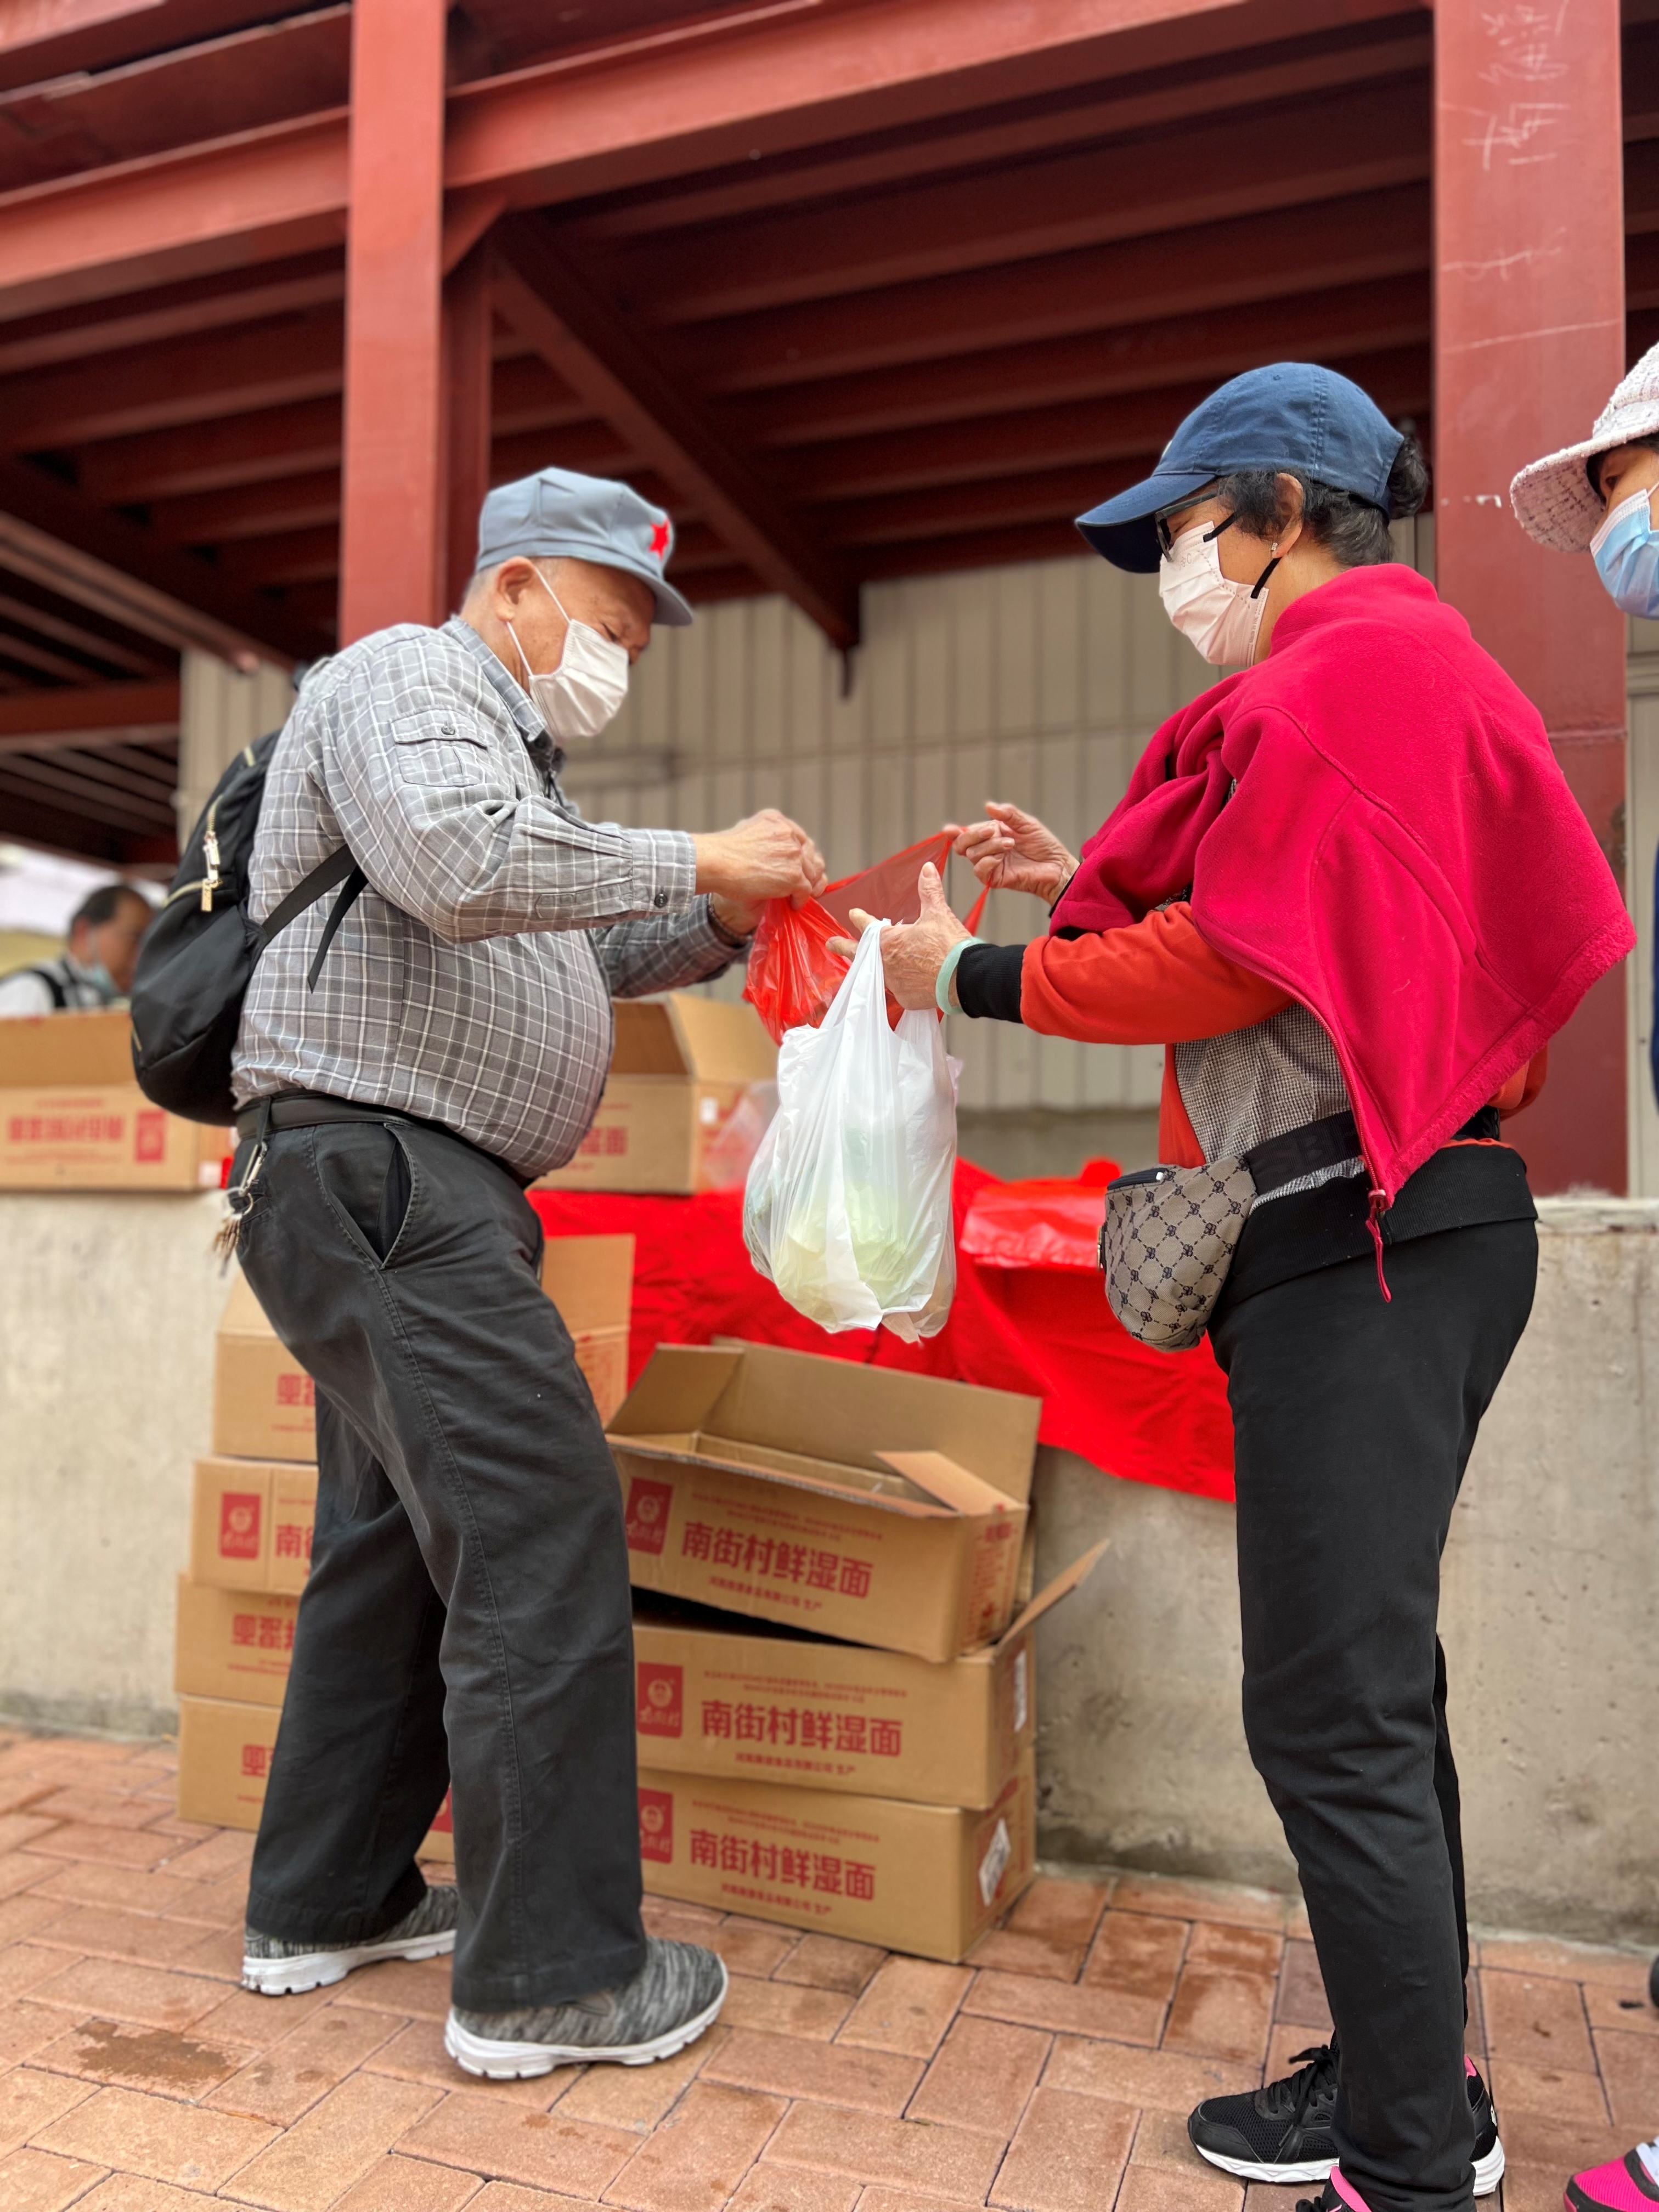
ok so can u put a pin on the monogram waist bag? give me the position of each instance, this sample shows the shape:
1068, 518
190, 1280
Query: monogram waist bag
1169, 1233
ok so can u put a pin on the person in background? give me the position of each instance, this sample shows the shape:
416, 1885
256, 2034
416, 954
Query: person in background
96, 970
1602, 498
467, 1619
1308, 895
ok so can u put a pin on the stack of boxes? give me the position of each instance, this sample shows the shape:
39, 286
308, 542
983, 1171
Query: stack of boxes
879, 1786
255, 1500
72, 1118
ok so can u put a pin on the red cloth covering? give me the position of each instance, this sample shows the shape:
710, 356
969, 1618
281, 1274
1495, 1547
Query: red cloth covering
1148, 1416
1372, 819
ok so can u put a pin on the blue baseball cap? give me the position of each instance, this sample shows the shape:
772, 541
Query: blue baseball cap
1292, 415
559, 514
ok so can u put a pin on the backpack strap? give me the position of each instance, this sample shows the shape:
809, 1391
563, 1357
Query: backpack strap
59, 995
339, 868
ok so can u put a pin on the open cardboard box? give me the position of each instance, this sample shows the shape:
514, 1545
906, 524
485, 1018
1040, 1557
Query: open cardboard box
72, 1118
265, 1403
883, 1508
719, 1696
926, 1879
679, 1072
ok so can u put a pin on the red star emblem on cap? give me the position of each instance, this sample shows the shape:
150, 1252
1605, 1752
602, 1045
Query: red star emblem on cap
658, 539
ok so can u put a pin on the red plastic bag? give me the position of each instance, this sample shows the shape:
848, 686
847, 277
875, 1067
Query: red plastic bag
792, 974
1044, 1223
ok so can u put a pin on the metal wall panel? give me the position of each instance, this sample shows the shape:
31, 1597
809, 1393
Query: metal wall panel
1039, 683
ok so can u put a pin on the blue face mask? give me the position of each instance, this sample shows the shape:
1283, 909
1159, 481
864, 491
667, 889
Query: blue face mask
1627, 552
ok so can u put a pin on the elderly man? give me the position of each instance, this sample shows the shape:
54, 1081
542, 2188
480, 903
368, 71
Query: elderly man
467, 1612
95, 968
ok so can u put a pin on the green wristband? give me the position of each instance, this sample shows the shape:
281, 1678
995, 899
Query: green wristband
942, 982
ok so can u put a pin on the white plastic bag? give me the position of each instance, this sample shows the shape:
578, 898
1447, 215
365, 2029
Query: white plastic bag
847, 1205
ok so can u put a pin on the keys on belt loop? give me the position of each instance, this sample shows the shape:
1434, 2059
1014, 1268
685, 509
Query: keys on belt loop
239, 1198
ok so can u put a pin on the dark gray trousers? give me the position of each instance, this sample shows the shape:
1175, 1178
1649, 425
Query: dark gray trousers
467, 1612
1353, 1421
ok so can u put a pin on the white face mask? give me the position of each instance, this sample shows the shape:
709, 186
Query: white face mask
588, 688
1222, 619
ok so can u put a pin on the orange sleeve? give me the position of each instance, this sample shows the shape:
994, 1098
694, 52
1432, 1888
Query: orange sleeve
1524, 1086
1158, 981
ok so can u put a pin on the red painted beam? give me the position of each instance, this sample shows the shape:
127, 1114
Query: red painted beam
1329, 326
646, 109
172, 311
124, 572
1077, 116
1530, 341
391, 539
285, 557
467, 380
211, 456
1377, 235
157, 386
93, 714
258, 510
595, 352
1361, 140
43, 38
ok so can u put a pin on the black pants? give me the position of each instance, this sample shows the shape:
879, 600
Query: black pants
467, 1612
1353, 1421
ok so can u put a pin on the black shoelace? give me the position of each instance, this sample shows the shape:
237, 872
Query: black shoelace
1297, 2091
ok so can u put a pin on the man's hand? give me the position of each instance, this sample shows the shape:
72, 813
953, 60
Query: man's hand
766, 856
912, 953
1013, 852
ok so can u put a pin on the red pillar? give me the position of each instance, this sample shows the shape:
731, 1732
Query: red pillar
391, 530
467, 360
1530, 340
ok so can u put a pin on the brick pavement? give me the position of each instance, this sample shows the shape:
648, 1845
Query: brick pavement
1051, 2074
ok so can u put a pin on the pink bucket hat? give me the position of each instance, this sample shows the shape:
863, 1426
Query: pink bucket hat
1552, 499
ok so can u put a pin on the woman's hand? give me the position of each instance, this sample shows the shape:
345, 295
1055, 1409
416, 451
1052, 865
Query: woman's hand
1013, 852
912, 953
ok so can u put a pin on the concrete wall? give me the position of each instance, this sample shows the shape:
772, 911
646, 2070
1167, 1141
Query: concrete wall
1550, 1617
107, 1307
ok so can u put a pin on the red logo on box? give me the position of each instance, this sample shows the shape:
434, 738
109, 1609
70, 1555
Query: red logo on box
660, 1704
443, 1822
657, 1825
239, 1524
648, 1514
149, 1136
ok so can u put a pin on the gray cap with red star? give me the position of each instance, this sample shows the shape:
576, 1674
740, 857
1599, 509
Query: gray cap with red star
558, 514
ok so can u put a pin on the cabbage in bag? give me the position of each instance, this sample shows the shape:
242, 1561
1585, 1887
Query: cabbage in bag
847, 1205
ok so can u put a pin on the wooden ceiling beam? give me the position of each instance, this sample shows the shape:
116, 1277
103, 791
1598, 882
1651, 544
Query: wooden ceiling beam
581, 335
173, 310
94, 714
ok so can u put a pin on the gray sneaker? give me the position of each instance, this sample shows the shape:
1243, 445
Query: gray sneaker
669, 2003
276, 1968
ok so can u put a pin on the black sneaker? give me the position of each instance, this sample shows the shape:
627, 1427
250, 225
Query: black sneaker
278, 1968
669, 2003
1282, 2132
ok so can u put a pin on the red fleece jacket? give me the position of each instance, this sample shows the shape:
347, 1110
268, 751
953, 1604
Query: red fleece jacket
1372, 819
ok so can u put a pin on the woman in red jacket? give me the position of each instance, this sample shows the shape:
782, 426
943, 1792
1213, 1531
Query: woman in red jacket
1350, 892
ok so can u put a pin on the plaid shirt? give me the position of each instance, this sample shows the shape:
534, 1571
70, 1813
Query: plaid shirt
472, 982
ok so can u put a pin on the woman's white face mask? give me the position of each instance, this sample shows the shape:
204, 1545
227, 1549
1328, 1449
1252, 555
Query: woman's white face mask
586, 690
1221, 618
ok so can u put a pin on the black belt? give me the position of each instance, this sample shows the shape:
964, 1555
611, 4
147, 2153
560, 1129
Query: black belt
1327, 1144
311, 1109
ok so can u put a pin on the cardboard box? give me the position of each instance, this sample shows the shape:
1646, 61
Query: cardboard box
265, 1403
716, 1695
251, 1524
678, 1074
224, 1764
883, 1508
232, 1644
72, 1118
224, 1760
926, 1879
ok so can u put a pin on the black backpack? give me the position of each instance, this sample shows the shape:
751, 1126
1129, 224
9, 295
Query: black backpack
196, 959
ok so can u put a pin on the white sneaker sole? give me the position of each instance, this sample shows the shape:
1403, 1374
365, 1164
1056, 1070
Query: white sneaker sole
1488, 2171
317, 1970
521, 2062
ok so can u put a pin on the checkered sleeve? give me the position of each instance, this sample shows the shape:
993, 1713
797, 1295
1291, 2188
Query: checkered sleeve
672, 954
440, 827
